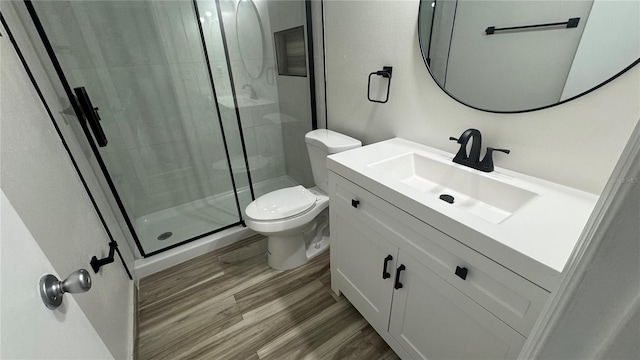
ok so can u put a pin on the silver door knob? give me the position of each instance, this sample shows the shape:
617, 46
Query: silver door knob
51, 289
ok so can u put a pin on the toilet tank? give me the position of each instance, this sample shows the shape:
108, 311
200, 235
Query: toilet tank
320, 144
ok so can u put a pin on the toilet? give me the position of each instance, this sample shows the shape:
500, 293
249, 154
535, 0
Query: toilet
296, 219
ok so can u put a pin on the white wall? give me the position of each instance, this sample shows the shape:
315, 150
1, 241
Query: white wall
29, 329
600, 318
575, 144
43, 187
611, 41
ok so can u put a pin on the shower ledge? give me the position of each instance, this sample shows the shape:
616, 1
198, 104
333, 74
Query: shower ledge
243, 101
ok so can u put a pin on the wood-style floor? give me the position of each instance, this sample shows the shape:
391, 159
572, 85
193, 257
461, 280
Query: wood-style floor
229, 304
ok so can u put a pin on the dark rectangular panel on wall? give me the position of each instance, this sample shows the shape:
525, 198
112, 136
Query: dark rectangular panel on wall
290, 52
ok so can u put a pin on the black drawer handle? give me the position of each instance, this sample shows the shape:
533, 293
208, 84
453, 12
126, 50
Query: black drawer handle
355, 203
398, 284
385, 273
462, 272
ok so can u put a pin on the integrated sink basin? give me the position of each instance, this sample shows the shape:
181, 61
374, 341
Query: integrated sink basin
484, 195
523, 222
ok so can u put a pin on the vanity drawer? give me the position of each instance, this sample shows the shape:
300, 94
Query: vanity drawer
510, 297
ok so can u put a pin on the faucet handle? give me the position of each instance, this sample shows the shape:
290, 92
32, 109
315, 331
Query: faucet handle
461, 155
486, 164
490, 150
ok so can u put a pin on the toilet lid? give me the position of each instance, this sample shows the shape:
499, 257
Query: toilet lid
281, 204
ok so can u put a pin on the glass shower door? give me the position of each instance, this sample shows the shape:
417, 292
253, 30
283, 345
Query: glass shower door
164, 151
271, 107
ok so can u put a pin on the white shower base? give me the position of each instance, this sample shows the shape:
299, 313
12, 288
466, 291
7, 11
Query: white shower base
193, 219
186, 221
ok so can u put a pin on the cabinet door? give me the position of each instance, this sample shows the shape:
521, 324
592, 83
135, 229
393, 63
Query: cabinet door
358, 257
433, 320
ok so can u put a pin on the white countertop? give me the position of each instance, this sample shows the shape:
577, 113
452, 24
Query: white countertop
535, 241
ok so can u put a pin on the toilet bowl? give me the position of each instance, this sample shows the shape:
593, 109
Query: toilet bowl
291, 219
296, 219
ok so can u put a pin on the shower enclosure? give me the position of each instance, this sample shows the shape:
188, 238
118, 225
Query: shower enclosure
183, 104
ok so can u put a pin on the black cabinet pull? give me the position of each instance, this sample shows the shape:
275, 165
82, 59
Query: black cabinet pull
462, 272
398, 284
385, 273
355, 203
91, 114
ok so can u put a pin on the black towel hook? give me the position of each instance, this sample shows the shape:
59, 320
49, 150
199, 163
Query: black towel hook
96, 263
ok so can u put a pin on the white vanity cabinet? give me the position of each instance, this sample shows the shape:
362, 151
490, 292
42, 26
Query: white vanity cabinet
400, 273
433, 320
359, 264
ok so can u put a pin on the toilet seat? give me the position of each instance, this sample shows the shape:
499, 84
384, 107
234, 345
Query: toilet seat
296, 210
281, 204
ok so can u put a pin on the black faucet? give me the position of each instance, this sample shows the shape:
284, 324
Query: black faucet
472, 160
474, 156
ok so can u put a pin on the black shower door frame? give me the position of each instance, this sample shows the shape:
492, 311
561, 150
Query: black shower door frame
87, 128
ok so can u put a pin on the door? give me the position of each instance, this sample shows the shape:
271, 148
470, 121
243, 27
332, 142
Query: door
362, 258
433, 320
29, 329
136, 75
50, 225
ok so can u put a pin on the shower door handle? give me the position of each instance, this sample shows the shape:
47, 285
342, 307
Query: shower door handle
91, 114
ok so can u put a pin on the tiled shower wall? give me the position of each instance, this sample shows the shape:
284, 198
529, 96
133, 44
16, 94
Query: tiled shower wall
143, 66
260, 117
295, 101
274, 130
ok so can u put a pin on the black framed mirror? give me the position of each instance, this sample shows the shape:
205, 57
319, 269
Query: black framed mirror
518, 55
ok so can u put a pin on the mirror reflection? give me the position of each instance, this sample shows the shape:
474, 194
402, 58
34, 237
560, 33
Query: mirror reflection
512, 56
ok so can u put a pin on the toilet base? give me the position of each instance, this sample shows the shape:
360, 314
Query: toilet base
289, 252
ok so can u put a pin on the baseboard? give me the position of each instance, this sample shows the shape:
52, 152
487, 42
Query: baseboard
135, 324
167, 259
